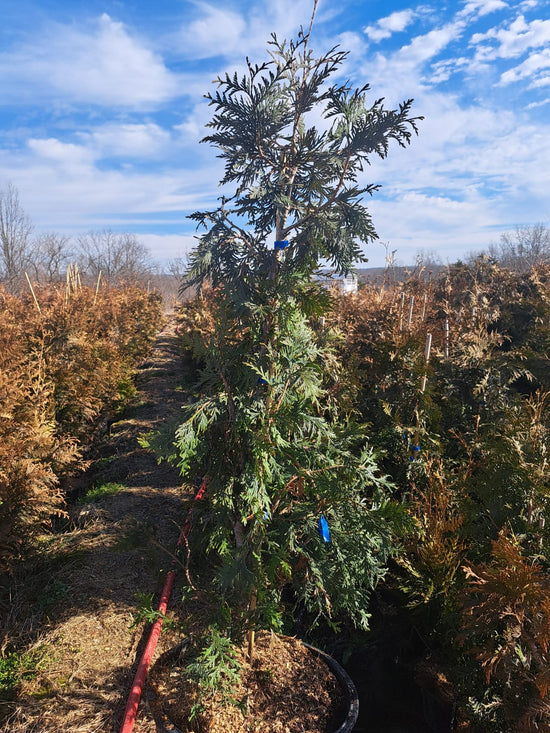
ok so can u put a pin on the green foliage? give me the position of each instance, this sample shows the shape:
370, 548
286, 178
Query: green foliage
15, 667
272, 428
288, 177
435, 551
54, 592
146, 612
468, 452
215, 669
100, 492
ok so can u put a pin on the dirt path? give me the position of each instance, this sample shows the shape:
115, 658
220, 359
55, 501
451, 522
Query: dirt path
111, 550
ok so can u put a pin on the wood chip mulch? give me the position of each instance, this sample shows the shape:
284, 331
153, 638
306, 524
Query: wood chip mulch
286, 689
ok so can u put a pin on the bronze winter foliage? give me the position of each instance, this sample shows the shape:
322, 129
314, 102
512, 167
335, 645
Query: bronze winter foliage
66, 355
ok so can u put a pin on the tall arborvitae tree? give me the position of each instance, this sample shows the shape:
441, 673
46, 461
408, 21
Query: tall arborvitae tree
294, 497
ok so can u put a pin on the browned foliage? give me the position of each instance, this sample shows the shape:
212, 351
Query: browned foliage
434, 553
197, 323
506, 622
64, 357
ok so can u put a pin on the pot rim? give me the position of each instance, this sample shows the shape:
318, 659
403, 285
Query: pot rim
348, 688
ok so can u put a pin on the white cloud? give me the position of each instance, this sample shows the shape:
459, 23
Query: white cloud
542, 81
128, 140
168, 246
353, 43
543, 103
67, 155
101, 64
514, 40
408, 71
529, 68
425, 47
438, 223
219, 31
443, 70
471, 170
480, 8
62, 188
476, 166
393, 23
192, 129
216, 32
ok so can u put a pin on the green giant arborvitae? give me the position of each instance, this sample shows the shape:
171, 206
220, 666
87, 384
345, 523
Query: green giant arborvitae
294, 498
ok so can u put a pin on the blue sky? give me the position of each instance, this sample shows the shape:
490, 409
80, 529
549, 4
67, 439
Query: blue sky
102, 110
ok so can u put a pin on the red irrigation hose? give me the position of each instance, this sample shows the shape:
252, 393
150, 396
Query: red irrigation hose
145, 662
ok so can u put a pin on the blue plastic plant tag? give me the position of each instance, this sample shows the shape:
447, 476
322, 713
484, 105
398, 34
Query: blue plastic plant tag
322, 525
281, 243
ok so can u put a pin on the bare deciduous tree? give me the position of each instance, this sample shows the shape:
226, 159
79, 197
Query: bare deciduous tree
119, 257
52, 254
524, 248
15, 244
178, 267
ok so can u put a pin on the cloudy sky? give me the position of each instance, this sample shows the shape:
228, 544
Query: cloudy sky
102, 110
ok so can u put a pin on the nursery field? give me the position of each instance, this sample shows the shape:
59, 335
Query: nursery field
70, 629
366, 473
449, 375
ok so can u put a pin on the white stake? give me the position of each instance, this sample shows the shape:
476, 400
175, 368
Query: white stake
427, 357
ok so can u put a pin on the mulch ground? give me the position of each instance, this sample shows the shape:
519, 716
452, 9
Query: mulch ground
286, 688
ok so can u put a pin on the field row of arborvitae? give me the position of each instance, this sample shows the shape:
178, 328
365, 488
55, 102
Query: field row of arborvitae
450, 374
67, 356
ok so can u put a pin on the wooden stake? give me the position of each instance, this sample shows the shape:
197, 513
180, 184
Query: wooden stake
33, 294
97, 286
428, 347
424, 303
251, 632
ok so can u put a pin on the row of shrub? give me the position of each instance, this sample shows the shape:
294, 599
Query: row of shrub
66, 356
465, 436
451, 374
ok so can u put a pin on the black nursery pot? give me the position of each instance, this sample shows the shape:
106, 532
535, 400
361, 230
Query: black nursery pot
351, 699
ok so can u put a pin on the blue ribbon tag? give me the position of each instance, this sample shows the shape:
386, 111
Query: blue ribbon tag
281, 244
322, 525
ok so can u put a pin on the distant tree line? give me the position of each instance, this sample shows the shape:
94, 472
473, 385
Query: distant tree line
121, 257
519, 251
44, 257
524, 248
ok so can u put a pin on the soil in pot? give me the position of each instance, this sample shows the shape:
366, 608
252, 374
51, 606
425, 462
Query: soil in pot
286, 689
